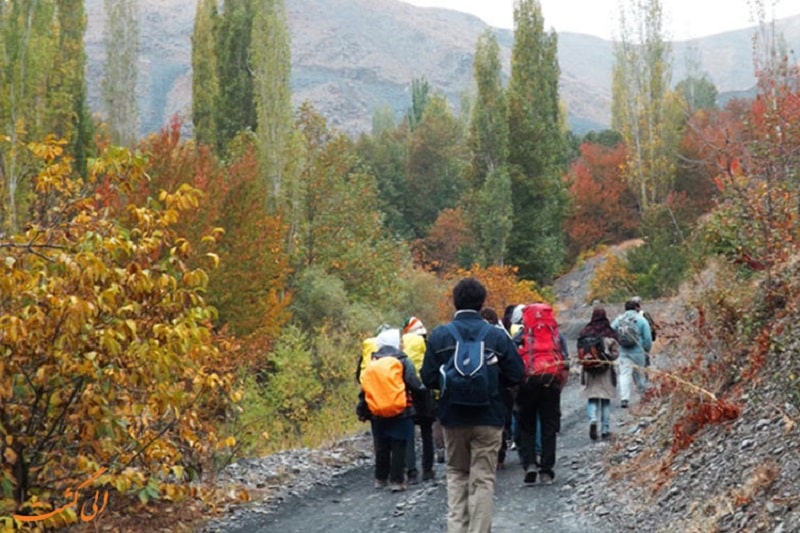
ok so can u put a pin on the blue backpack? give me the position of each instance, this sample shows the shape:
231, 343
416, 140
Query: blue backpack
465, 378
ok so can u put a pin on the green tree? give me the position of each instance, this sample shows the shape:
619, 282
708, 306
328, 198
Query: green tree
698, 93
641, 101
537, 148
386, 154
272, 70
235, 110
420, 91
121, 38
434, 172
341, 229
27, 47
69, 116
205, 80
489, 205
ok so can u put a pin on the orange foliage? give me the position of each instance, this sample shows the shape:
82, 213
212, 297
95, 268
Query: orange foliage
604, 209
439, 251
503, 288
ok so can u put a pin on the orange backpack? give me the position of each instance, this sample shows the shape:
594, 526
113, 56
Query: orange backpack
384, 388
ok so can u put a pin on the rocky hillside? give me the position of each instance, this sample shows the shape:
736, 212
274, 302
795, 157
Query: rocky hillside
350, 57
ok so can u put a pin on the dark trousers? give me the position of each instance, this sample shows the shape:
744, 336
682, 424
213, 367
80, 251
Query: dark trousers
390, 458
542, 399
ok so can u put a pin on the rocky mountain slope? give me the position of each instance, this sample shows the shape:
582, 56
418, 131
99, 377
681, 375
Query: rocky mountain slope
350, 57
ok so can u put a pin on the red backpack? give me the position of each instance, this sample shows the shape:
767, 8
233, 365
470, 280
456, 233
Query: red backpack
541, 348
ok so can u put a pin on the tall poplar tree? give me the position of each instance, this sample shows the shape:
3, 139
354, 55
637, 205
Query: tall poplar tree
27, 44
640, 105
67, 109
235, 109
489, 205
272, 92
121, 40
536, 147
205, 81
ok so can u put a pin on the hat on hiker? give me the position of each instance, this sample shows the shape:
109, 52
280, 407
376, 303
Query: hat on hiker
516, 316
414, 325
389, 337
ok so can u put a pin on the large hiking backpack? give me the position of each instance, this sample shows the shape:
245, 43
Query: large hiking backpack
383, 386
591, 353
541, 347
628, 331
465, 378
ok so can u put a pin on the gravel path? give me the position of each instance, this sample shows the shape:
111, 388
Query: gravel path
331, 490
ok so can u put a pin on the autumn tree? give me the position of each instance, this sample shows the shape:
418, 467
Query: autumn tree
641, 101
450, 243
489, 202
536, 147
604, 210
109, 358
120, 68
205, 76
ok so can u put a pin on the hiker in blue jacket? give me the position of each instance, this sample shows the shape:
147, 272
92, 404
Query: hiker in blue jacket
472, 434
632, 354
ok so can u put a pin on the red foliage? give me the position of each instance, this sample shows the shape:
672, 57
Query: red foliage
604, 209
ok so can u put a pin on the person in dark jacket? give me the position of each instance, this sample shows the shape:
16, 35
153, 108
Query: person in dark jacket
600, 384
472, 434
391, 435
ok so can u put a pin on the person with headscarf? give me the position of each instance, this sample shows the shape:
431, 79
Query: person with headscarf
600, 384
390, 434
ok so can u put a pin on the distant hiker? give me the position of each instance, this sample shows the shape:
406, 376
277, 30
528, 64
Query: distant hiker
545, 356
633, 334
653, 328
599, 380
473, 423
387, 383
414, 333
490, 316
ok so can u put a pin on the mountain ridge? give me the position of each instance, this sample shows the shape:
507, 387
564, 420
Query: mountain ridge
350, 57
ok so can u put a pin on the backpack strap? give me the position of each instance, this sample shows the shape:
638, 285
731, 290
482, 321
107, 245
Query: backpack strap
459, 339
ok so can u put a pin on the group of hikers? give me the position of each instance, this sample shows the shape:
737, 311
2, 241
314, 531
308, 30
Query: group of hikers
480, 385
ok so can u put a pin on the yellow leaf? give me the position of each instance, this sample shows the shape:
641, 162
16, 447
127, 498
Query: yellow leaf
215, 258
230, 442
10, 456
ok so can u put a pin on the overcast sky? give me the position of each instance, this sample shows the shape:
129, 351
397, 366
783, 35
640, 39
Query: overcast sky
683, 18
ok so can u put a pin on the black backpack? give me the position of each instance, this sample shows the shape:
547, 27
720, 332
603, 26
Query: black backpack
465, 378
592, 354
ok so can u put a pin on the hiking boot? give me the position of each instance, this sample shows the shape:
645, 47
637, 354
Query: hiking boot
428, 475
440, 455
397, 487
593, 431
547, 477
606, 436
624, 404
381, 483
412, 479
530, 477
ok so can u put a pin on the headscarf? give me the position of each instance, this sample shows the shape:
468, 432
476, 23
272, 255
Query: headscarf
389, 337
598, 325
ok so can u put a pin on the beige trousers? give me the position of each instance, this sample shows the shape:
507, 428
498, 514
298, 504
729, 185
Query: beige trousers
471, 469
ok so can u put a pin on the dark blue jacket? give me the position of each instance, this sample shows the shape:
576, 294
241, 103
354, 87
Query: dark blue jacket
509, 367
